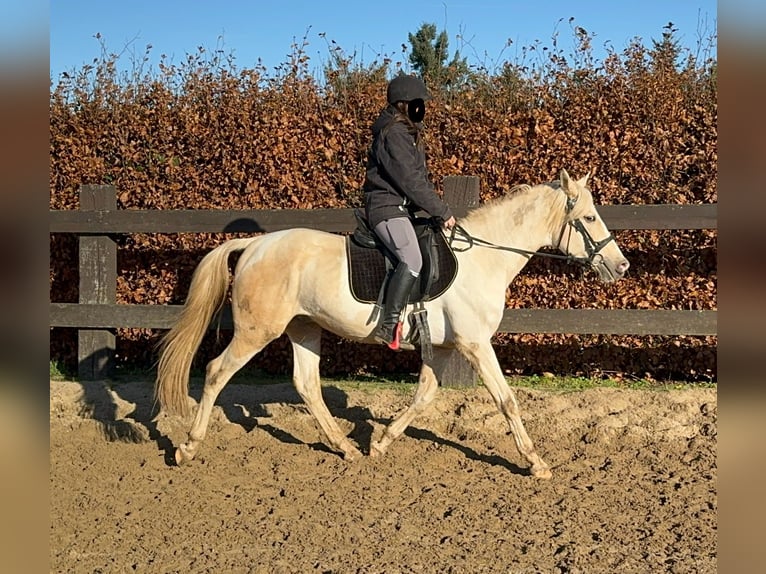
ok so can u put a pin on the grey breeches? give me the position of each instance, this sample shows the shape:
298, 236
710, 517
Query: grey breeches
399, 236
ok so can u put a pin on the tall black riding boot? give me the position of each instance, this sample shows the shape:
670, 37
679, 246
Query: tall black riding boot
398, 291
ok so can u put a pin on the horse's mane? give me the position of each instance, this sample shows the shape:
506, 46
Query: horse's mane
488, 210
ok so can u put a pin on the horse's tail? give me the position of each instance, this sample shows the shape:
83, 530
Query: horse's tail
207, 292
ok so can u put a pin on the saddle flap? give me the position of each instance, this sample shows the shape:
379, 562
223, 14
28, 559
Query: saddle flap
429, 273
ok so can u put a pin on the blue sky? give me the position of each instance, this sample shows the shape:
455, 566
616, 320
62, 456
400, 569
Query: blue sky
253, 30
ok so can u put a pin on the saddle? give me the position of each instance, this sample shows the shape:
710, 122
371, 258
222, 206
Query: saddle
370, 264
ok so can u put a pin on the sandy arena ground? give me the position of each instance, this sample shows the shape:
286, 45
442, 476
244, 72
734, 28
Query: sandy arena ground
634, 486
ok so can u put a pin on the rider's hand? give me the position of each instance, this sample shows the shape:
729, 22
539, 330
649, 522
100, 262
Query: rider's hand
450, 223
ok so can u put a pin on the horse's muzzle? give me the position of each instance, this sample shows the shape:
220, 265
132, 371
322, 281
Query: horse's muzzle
611, 273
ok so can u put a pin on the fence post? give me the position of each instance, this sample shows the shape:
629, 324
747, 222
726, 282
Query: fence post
98, 284
462, 193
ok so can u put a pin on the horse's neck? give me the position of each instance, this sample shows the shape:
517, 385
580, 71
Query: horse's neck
522, 221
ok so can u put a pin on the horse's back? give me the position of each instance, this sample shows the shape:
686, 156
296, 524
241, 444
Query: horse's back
294, 256
296, 245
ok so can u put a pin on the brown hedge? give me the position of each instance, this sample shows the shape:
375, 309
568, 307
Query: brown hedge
208, 136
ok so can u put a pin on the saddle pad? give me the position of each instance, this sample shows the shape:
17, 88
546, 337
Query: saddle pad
367, 271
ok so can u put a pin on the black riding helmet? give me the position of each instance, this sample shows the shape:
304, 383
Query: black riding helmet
411, 90
405, 88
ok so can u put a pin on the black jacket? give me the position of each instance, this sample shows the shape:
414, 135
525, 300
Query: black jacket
397, 181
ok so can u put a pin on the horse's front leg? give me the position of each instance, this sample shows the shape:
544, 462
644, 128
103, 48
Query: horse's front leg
428, 383
484, 360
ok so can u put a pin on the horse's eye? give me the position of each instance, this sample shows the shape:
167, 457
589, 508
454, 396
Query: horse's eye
590, 218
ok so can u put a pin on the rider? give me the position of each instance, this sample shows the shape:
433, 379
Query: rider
395, 187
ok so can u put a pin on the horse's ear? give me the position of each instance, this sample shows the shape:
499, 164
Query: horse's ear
584, 181
567, 186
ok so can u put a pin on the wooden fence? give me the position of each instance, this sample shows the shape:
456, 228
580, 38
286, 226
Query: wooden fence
97, 314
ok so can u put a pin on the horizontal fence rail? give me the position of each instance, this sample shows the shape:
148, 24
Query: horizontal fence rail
97, 314
616, 217
572, 321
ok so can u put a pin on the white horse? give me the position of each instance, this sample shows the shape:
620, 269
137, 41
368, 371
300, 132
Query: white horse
296, 282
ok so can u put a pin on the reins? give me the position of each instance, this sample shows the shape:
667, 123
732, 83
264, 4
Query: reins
459, 234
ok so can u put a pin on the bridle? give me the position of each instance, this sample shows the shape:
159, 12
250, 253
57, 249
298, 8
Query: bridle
592, 247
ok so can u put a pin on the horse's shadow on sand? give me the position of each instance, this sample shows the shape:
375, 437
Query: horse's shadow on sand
127, 412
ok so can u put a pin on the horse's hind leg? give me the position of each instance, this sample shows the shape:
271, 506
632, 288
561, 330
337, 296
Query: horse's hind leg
484, 360
219, 371
428, 383
306, 338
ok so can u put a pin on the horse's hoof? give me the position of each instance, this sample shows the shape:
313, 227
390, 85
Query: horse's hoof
350, 452
376, 451
352, 456
182, 457
543, 473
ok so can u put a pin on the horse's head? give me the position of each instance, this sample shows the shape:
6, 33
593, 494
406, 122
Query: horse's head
584, 235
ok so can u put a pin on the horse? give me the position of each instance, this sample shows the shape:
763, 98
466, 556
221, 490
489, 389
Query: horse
296, 281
